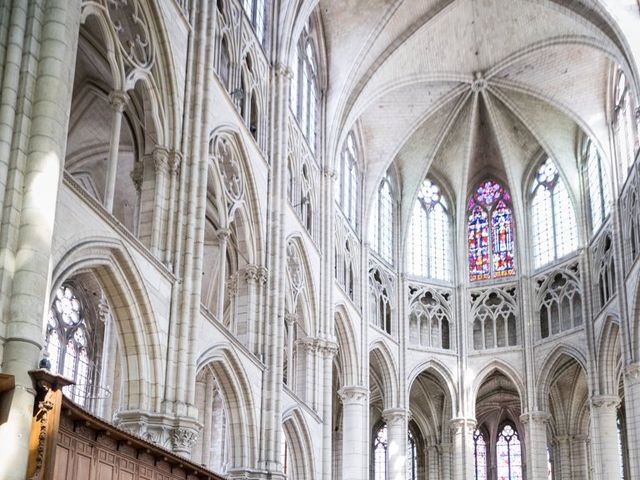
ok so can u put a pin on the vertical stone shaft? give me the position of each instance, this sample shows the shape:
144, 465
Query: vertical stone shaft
118, 101
354, 431
604, 426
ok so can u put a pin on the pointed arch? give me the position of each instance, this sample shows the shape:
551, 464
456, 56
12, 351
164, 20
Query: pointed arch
298, 438
503, 368
440, 371
347, 347
382, 367
549, 366
237, 395
609, 358
122, 282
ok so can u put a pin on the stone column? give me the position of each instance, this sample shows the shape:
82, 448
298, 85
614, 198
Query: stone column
39, 142
579, 457
210, 391
291, 321
432, 463
606, 457
535, 425
354, 432
445, 461
632, 417
328, 352
223, 236
462, 439
118, 102
396, 420
175, 160
564, 469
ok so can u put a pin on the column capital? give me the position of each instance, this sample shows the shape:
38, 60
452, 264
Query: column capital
459, 424
290, 318
250, 273
535, 417
283, 70
160, 157
632, 373
223, 234
118, 100
175, 160
329, 173
354, 395
609, 402
395, 416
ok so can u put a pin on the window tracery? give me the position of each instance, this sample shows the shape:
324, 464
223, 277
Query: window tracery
598, 183
625, 124
429, 318
509, 454
412, 457
630, 212
255, 10
380, 294
553, 220
490, 232
73, 341
560, 301
346, 254
304, 90
495, 318
382, 218
430, 235
479, 455
380, 453
604, 270
348, 191
301, 183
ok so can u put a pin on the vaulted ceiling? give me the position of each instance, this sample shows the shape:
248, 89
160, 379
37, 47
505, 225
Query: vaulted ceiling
467, 88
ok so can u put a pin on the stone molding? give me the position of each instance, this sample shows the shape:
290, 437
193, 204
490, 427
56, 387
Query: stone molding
118, 100
632, 373
458, 425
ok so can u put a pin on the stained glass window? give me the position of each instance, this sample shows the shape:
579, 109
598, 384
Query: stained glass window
490, 233
599, 192
508, 454
380, 456
255, 12
430, 235
67, 343
553, 220
412, 457
479, 455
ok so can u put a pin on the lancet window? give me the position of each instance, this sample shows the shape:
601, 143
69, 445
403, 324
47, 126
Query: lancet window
430, 235
479, 455
560, 302
382, 217
348, 191
429, 318
304, 91
553, 220
494, 314
509, 454
255, 10
380, 295
598, 182
490, 232
625, 124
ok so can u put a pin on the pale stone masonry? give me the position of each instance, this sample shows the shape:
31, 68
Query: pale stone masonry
185, 233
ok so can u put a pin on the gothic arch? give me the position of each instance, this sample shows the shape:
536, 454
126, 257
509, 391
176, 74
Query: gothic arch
609, 358
307, 296
299, 441
119, 277
440, 371
347, 348
502, 368
382, 367
548, 370
236, 392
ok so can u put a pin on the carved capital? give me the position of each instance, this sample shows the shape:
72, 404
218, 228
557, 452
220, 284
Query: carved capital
161, 159
329, 173
250, 273
263, 275
605, 402
283, 70
175, 160
223, 234
535, 417
137, 175
395, 417
632, 374
329, 349
183, 438
353, 395
462, 426
290, 318
118, 100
